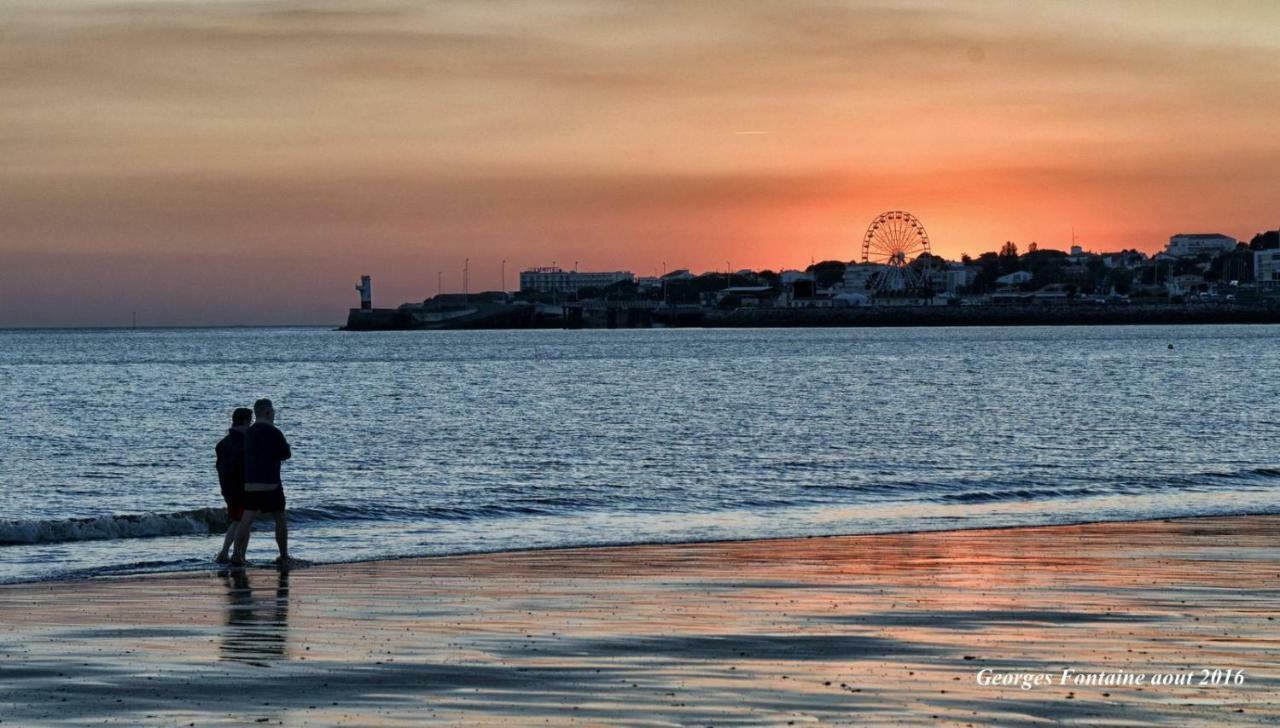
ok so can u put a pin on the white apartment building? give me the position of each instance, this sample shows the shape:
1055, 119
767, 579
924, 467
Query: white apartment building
1185, 245
556, 280
1266, 268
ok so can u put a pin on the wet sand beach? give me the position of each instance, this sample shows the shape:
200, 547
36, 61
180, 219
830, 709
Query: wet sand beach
856, 630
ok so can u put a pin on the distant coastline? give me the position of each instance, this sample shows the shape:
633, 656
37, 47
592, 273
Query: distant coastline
1077, 315
518, 315
1200, 278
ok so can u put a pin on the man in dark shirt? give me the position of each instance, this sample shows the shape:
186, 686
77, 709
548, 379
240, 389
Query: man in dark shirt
230, 465
264, 449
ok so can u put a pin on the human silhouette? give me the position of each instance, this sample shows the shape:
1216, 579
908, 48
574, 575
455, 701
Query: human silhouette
230, 466
265, 447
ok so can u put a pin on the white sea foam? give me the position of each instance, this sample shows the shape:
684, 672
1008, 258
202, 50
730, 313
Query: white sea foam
101, 528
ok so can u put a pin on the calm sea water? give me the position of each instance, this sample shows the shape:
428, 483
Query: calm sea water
448, 442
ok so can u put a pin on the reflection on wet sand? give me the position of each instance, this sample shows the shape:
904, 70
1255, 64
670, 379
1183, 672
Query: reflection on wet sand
257, 626
887, 630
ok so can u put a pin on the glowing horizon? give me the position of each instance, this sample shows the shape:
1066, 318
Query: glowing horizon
246, 162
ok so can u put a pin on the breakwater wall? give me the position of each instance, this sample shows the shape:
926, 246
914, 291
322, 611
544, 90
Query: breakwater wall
997, 315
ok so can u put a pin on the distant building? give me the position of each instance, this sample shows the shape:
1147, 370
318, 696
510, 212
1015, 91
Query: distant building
682, 274
803, 296
1185, 245
848, 299
1052, 293
1266, 268
1016, 278
858, 276
790, 277
746, 296
1124, 259
1078, 255
743, 290
1186, 283
555, 280
956, 277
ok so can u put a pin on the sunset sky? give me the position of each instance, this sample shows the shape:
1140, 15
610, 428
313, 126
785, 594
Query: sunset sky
244, 162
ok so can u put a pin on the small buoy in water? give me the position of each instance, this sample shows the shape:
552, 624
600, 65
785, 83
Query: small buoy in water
1171, 346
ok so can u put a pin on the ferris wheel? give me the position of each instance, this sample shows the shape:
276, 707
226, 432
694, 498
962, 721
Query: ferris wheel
894, 240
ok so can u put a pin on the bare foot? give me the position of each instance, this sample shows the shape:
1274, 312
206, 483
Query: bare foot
221, 559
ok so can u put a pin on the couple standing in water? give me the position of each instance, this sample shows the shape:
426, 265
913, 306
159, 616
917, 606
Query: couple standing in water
248, 465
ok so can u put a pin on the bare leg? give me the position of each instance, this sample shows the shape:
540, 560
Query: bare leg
242, 536
233, 530
282, 536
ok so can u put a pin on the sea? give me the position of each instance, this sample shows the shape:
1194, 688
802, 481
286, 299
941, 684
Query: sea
427, 443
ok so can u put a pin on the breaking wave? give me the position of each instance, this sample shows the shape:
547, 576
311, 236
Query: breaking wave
203, 521
104, 528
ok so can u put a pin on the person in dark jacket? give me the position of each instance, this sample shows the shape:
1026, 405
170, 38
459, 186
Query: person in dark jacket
230, 465
264, 449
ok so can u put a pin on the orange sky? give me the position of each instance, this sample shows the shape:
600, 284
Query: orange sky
245, 161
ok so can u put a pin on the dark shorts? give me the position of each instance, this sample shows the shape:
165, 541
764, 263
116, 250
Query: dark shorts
264, 501
235, 508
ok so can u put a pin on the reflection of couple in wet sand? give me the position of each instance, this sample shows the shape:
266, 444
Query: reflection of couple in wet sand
248, 465
256, 629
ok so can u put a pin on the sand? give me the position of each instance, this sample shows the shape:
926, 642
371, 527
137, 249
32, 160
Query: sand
860, 630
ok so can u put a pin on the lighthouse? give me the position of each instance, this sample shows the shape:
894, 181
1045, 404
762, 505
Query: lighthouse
366, 293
